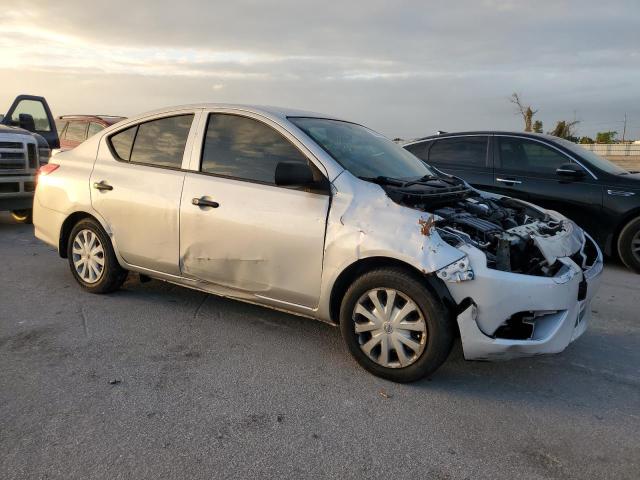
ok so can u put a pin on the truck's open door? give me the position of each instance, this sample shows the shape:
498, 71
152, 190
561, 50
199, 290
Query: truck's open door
32, 113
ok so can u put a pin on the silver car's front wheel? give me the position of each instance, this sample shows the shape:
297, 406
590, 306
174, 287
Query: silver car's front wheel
88, 256
395, 325
390, 327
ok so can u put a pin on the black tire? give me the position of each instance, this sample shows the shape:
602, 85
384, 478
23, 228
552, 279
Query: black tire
439, 327
629, 239
23, 216
112, 275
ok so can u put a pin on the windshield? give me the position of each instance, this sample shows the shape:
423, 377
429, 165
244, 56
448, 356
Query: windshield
363, 152
593, 158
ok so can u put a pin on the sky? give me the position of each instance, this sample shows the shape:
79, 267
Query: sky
404, 68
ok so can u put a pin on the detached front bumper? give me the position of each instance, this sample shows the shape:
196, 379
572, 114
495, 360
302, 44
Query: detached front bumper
555, 309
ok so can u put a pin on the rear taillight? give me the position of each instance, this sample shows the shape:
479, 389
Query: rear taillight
47, 169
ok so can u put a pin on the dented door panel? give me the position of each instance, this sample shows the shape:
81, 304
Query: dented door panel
261, 240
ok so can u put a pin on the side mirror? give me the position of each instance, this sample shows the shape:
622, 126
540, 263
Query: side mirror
26, 122
293, 174
570, 170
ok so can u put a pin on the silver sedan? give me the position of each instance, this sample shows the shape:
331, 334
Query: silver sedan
323, 218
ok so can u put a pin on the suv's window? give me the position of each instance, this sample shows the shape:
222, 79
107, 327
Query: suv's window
76, 132
161, 142
37, 112
60, 124
94, 128
244, 148
527, 156
460, 152
123, 141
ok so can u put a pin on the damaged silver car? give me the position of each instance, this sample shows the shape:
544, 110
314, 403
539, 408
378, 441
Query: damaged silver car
322, 218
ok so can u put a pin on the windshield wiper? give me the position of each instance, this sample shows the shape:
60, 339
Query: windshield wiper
382, 180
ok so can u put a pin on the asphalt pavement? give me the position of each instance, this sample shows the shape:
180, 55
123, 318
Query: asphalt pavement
158, 381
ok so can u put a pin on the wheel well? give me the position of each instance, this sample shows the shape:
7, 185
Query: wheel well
67, 226
360, 267
630, 216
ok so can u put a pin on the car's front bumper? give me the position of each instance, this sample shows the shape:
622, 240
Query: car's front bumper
559, 303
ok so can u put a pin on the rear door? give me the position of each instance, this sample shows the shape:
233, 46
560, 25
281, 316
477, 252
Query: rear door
33, 113
466, 157
526, 168
136, 186
256, 238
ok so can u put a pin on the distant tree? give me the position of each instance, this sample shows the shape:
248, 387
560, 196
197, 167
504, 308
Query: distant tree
566, 130
537, 126
586, 140
523, 110
398, 140
606, 137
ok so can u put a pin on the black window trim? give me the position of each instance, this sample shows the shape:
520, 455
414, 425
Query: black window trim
199, 171
522, 137
117, 157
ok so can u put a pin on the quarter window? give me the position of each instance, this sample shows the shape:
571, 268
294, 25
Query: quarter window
244, 148
76, 132
526, 156
122, 142
460, 152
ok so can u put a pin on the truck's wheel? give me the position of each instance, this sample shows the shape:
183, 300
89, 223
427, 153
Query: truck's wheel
23, 216
395, 327
92, 259
629, 245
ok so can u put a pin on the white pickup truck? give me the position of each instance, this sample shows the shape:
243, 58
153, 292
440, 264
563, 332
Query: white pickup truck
27, 136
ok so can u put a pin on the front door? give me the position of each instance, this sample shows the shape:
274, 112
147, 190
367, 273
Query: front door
526, 169
136, 185
246, 233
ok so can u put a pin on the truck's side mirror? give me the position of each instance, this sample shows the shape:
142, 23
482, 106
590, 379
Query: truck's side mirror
570, 170
26, 122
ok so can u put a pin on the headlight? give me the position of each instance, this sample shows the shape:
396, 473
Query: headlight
458, 271
44, 153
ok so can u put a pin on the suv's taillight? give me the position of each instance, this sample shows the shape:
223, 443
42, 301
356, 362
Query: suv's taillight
47, 169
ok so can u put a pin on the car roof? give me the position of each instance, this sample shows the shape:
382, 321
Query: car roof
481, 132
267, 110
108, 119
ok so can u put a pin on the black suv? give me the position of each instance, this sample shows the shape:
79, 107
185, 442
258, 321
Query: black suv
551, 172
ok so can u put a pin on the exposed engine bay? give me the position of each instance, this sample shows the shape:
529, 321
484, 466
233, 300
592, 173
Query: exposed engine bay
508, 231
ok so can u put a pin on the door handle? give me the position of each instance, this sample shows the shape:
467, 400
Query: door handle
509, 181
203, 202
102, 185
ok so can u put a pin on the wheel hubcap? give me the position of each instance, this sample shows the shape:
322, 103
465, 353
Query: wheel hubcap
390, 327
635, 246
88, 256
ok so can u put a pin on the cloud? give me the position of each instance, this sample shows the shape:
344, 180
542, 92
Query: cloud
406, 67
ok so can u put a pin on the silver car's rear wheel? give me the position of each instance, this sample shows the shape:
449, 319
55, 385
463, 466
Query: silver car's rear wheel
390, 327
88, 256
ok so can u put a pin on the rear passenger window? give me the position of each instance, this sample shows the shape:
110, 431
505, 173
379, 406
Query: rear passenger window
76, 132
122, 143
460, 152
245, 148
161, 142
60, 125
94, 128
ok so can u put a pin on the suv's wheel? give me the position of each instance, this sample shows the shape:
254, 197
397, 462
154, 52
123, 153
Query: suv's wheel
393, 325
92, 260
23, 216
629, 245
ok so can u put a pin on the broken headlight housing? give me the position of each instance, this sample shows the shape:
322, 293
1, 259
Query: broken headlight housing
458, 271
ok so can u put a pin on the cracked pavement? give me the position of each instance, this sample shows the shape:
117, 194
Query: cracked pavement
158, 381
